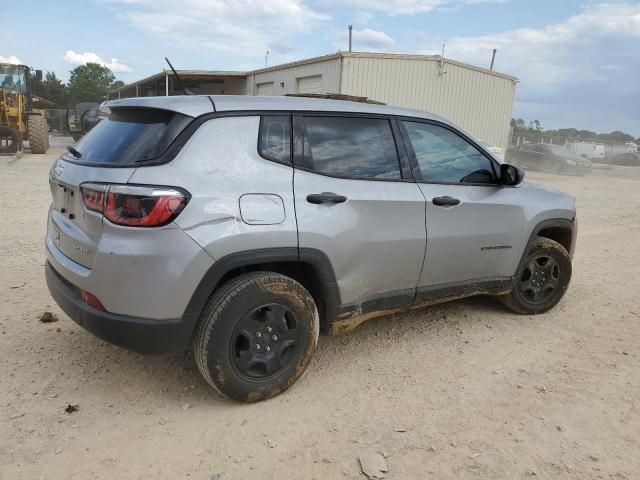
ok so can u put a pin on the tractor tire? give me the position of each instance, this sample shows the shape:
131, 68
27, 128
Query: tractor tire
10, 141
38, 134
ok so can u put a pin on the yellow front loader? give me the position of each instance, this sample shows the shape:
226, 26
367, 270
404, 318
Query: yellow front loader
19, 120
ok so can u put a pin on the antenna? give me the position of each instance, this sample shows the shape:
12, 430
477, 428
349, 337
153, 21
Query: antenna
175, 74
441, 70
266, 59
493, 58
350, 36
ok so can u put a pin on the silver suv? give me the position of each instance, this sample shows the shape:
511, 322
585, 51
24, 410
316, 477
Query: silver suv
243, 226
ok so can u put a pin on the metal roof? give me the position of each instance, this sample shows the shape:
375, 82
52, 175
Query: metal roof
184, 74
401, 56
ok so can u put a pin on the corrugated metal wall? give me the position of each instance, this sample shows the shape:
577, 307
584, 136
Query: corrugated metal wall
479, 102
329, 69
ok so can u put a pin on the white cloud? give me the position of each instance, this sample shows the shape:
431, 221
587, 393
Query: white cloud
114, 65
365, 40
240, 27
587, 63
558, 52
10, 59
410, 7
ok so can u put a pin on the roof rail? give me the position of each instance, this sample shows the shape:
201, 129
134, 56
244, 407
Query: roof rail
336, 96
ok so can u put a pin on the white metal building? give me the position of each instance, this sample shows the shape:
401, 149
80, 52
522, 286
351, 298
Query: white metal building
478, 100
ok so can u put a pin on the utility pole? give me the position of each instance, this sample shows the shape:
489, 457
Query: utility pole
493, 58
350, 36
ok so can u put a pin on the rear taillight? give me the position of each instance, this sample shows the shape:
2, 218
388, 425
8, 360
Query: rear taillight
92, 300
134, 206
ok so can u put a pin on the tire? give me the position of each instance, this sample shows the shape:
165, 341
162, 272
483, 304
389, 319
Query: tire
256, 336
11, 141
542, 279
38, 134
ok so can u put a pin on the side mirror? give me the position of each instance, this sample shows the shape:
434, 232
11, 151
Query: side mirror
510, 175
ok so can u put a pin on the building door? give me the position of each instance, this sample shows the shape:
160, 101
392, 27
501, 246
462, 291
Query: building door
265, 88
310, 84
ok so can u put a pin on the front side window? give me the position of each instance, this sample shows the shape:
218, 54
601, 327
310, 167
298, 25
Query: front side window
275, 138
351, 147
444, 157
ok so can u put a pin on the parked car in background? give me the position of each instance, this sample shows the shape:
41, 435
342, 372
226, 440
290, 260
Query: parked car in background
590, 150
628, 159
613, 150
496, 151
84, 117
548, 158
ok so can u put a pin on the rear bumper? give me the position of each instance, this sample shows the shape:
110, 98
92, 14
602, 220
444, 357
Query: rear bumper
137, 334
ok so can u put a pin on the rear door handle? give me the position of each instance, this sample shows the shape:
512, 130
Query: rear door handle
326, 197
445, 201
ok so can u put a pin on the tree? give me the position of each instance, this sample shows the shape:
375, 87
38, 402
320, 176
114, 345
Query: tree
514, 123
521, 123
538, 125
89, 83
116, 84
616, 136
54, 90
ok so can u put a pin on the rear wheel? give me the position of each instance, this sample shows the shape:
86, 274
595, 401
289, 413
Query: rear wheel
557, 168
38, 134
256, 336
542, 279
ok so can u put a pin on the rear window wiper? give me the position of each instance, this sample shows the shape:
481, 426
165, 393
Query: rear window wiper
74, 151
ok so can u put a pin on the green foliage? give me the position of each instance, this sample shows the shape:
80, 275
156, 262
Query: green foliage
117, 84
534, 132
89, 83
55, 90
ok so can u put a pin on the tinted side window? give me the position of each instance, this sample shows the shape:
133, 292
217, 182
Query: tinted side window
130, 136
445, 157
351, 147
275, 138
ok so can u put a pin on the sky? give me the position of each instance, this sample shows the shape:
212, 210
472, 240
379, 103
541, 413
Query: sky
578, 61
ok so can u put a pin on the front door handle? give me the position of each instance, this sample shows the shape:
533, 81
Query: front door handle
326, 197
445, 201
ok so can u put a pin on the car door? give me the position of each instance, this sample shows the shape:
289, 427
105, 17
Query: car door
355, 204
523, 156
474, 225
547, 161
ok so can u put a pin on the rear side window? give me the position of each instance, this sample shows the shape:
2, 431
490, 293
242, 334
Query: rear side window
130, 136
275, 138
444, 157
351, 147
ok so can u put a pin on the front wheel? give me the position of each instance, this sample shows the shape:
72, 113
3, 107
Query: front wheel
542, 279
256, 336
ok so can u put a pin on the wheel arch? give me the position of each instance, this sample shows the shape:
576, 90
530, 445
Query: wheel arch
561, 230
309, 267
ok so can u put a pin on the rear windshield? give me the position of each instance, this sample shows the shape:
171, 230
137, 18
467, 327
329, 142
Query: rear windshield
130, 136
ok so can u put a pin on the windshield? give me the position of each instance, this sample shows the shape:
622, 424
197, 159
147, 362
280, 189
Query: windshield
130, 136
12, 78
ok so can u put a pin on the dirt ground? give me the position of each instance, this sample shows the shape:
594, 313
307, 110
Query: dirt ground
462, 391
